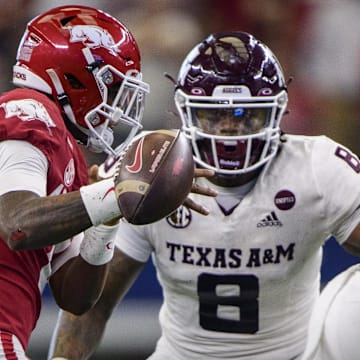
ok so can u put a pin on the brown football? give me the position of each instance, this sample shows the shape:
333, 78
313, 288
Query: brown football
154, 176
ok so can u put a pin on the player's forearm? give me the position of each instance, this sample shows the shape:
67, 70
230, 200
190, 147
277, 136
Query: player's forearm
41, 221
80, 285
76, 337
28, 221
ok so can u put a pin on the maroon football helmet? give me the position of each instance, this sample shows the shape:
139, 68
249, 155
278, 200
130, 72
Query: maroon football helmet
231, 95
90, 64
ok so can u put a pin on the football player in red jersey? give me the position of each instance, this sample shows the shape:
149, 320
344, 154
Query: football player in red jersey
78, 81
240, 283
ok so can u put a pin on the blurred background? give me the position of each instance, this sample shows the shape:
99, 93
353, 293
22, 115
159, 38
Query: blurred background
316, 41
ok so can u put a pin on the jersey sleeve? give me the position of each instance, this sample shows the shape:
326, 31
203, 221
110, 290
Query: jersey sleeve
23, 167
132, 240
337, 173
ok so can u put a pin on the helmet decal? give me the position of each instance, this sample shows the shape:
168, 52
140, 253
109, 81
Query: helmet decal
198, 91
27, 47
93, 36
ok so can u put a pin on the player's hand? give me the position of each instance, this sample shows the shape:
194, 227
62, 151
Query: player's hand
202, 190
93, 174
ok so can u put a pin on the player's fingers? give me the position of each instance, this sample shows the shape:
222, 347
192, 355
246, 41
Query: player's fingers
203, 190
204, 173
191, 204
93, 174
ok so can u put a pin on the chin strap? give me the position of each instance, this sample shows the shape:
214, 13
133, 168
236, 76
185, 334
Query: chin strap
79, 136
61, 95
93, 66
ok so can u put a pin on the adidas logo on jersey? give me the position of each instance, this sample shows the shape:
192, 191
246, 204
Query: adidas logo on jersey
270, 220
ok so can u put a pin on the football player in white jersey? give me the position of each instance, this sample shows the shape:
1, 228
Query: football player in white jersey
240, 283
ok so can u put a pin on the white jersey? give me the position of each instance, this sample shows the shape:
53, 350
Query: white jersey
242, 285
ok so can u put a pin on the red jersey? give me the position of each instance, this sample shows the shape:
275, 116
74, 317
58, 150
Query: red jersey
31, 116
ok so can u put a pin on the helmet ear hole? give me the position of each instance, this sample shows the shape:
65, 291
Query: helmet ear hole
66, 20
73, 81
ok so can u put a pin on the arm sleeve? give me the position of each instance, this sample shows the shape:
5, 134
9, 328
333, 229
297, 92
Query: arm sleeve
337, 172
345, 229
132, 240
23, 167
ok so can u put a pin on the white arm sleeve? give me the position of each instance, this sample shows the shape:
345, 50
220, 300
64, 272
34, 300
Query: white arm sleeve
23, 167
347, 227
132, 240
336, 170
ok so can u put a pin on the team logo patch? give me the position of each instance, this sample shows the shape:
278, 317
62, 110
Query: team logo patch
69, 173
284, 200
28, 110
180, 218
93, 36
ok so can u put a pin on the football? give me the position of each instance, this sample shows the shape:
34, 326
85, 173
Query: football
154, 176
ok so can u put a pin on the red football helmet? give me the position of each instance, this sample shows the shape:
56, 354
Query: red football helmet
90, 64
231, 95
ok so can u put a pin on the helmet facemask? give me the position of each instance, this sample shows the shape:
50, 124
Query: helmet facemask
232, 135
121, 109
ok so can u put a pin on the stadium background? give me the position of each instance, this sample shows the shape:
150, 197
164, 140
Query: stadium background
318, 44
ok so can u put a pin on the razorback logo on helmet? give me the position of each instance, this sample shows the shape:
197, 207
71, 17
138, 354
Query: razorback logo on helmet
93, 36
28, 110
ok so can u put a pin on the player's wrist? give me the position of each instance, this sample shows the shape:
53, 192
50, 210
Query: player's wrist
100, 201
97, 247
